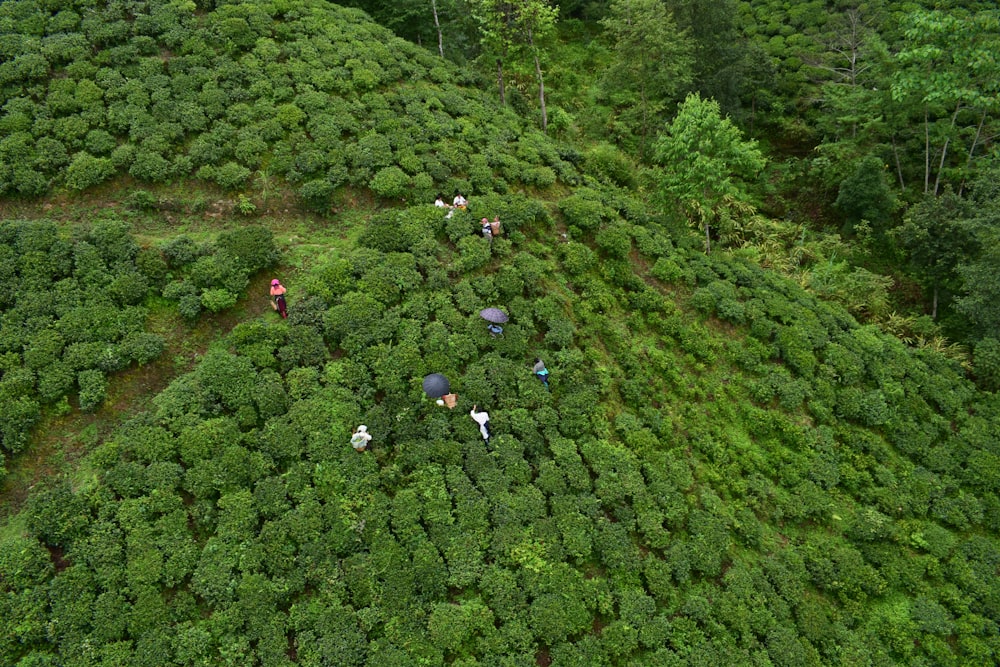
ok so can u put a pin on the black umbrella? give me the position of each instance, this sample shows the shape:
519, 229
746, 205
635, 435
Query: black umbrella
436, 385
494, 315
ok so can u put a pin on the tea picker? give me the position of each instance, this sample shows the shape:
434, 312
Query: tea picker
495, 317
483, 419
278, 298
541, 372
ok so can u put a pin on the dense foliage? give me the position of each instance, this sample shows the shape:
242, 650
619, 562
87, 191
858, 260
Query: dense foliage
306, 91
726, 470
212, 276
865, 109
72, 312
74, 307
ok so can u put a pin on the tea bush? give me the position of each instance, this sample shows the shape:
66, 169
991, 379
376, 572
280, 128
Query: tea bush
86, 170
391, 183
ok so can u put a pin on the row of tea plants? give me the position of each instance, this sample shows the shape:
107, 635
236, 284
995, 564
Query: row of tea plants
727, 470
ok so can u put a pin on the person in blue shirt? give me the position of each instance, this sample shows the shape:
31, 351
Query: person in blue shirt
541, 372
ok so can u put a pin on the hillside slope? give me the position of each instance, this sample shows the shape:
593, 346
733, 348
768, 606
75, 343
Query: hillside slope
241, 96
725, 471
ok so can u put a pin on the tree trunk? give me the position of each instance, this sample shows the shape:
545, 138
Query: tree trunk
944, 149
645, 122
927, 153
934, 307
899, 167
972, 151
503, 95
541, 83
708, 240
437, 25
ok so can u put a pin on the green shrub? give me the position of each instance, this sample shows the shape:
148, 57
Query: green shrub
452, 627
54, 381
81, 356
93, 389
577, 258
142, 348
180, 251
474, 253
865, 407
230, 175
189, 306
583, 209
608, 164
557, 615
123, 156
99, 142
151, 264
400, 231
86, 170
986, 364
304, 347
796, 350
615, 240
56, 516
24, 563
148, 165
315, 194
217, 300
129, 288
127, 479
16, 421
113, 239
43, 349
542, 177
391, 183
111, 359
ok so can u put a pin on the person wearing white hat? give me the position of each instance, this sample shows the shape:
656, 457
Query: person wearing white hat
360, 438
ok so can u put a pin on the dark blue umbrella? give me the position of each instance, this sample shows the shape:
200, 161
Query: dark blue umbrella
494, 315
436, 385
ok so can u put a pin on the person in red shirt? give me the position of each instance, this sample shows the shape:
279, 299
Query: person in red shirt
278, 298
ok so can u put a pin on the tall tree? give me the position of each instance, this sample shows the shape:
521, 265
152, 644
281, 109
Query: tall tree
865, 195
707, 166
938, 235
426, 22
949, 71
719, 49
536, 23
652, 64
516, 28
437, 26
980, 271
496, 20
981, 301
847, 64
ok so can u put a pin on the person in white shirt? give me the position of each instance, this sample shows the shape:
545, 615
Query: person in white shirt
361, 438
460, 201
483, 419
